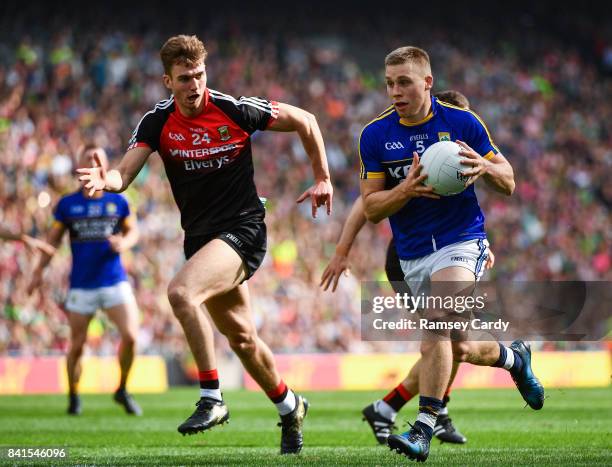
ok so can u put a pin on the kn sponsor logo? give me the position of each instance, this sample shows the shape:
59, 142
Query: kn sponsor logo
398, 170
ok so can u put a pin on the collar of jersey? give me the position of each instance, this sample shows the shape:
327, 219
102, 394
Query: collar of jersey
428, 117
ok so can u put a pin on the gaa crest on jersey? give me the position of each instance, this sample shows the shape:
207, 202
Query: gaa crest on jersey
443, 136
224, 133
111, 209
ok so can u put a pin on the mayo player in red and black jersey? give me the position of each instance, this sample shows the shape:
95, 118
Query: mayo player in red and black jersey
208, 157
203, 137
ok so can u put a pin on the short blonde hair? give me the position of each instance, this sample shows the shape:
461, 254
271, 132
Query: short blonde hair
182, 49
409, 54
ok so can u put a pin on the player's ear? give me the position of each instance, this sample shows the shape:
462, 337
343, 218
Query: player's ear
167, 81
428, 82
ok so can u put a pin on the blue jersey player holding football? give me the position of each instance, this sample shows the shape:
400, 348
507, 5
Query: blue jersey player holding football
100, 227
439, 241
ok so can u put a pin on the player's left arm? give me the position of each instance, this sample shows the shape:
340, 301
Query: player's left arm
128, 236
292, 118
339, 263
496, 169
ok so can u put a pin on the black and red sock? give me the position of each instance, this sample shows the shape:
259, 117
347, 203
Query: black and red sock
209, 384
283, 398
398, 397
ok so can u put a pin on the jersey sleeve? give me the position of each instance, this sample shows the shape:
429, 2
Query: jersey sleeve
59, 213
123, 210
124, 207
148, 131
369, 158
250, 113
477, 136
257, 113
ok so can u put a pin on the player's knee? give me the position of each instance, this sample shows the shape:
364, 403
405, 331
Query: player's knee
426, 347
243, 343
76, 346
180, 299
461, 351
128, 340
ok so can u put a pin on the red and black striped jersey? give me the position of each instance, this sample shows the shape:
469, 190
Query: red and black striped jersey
208, 158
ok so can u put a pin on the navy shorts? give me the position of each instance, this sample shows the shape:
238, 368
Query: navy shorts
392, 264
247, 237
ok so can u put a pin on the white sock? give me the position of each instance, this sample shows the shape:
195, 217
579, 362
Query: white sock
385, 410
443, 411
427, 419
509, 362
287, 405
211, 394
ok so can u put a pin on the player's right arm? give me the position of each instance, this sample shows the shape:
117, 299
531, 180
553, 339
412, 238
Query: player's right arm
7, 234
54, 237
31, 243
339, 262
380, 203
97, 178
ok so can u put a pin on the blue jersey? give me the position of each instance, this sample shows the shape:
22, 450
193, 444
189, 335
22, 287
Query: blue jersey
424, 225
90, 223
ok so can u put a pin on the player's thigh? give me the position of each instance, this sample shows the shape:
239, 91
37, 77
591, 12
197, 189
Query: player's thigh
416, 276
453, 280
231, 312
119, 304
214, 269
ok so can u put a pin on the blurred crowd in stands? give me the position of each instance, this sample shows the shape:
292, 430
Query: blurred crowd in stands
82, 77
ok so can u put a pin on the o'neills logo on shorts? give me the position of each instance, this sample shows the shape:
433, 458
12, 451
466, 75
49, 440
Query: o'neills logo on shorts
459, 258
235, 240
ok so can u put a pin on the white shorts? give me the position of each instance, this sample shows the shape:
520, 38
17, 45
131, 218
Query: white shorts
87, 301
471, 254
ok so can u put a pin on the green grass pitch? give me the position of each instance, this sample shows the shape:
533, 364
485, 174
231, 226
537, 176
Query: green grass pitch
574, 428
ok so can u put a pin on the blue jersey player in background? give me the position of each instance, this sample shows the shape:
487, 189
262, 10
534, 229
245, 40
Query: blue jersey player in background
440, 241
100, 228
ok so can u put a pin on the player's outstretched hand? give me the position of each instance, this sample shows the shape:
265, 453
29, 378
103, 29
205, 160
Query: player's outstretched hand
413, 184
94, 177
321, 193
477, 163
338, 264
34, 244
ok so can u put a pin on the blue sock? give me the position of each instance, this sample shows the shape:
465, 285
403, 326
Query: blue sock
508, 359
429, 407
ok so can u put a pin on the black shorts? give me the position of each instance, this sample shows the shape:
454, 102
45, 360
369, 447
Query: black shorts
248, 238
395, 275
